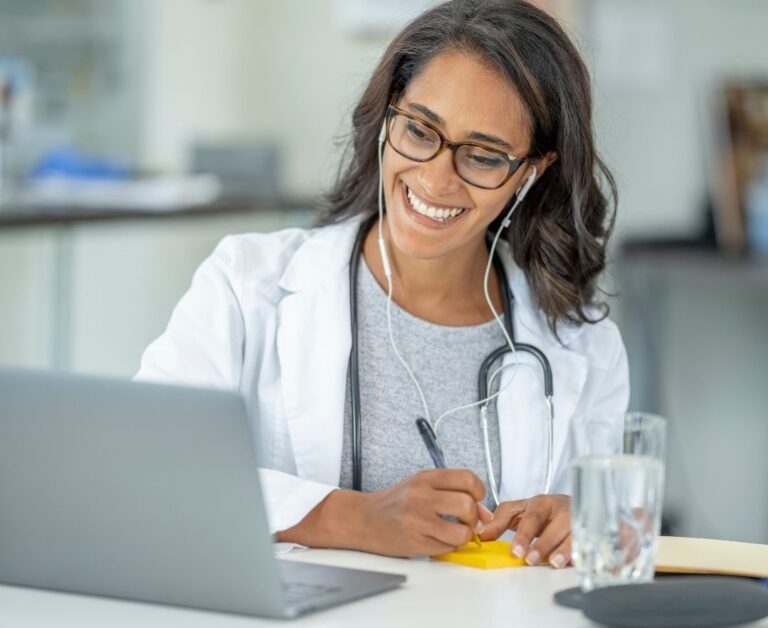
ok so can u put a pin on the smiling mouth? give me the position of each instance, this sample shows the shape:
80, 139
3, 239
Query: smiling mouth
438, 214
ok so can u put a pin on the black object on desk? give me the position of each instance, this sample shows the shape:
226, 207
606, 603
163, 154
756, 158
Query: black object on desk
673, 602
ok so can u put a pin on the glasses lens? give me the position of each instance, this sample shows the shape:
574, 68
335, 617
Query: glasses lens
412, 139
483, 167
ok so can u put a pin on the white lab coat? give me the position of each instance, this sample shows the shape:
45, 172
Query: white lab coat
268, 315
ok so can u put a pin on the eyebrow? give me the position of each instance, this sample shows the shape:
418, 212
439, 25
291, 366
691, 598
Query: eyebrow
474, 135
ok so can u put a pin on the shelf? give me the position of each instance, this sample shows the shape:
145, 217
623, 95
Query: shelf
694, 264
20, 217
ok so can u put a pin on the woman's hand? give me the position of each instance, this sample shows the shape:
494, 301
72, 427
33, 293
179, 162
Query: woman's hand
406, 519
542, 527
402, 520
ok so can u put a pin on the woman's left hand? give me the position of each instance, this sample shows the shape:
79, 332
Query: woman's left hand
542, 527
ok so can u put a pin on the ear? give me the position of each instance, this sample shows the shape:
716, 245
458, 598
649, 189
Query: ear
541, 163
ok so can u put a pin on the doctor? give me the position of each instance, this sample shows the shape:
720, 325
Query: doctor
479, 111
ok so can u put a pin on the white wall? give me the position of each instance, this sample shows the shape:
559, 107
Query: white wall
238, 69
652, 116
27, 262
128, 276
317, 74
198, 66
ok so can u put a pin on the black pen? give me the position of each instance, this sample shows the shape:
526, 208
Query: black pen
430, 440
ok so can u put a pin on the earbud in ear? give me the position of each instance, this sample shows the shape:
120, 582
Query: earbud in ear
520, 196
383, 132
531, 180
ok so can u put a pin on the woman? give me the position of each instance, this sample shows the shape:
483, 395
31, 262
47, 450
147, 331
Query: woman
477, 120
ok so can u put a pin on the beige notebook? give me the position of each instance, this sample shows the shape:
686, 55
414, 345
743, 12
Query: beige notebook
677, 554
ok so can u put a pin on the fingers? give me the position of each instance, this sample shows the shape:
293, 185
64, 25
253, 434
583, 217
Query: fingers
450, 533
460, 480
472, 514
557, 530
459, 505
532, 522
560, 556
504, 518
432, 546
548, 518
486, 516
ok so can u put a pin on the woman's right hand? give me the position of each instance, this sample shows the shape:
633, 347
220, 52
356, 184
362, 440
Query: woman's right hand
406, 519
402, 520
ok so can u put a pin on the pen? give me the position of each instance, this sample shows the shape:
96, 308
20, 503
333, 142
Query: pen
430, 440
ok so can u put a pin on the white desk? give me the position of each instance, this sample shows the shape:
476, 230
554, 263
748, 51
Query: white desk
436, 594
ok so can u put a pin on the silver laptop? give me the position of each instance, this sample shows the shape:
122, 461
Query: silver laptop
146, 492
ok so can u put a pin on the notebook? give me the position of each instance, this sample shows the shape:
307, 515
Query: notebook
678, 554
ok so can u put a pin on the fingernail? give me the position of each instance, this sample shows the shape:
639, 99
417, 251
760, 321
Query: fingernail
490, 514
533, 557
557, 561
479, 527
519, 551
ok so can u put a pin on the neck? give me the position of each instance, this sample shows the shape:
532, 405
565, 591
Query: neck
446, 290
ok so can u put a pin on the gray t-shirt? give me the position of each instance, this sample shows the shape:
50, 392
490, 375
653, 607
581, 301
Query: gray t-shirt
446, 362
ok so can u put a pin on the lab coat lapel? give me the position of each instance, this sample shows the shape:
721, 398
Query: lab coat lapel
521, 408
313, 343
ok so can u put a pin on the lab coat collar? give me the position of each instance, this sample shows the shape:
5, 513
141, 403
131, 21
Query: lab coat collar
321, 257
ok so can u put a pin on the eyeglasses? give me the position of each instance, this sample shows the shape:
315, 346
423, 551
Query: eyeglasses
477, 164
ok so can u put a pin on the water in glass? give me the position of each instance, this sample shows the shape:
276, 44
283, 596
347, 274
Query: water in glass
616, 516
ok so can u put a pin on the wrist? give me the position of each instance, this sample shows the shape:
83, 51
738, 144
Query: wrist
336, 522
343, 519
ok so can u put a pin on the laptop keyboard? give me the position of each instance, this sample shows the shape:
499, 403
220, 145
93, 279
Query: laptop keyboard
302, 591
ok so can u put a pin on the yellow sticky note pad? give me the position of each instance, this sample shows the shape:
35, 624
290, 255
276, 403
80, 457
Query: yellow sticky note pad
490, 555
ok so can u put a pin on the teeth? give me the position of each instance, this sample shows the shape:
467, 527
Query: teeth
438, 214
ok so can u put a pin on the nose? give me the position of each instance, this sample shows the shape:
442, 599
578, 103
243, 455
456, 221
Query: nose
438, 176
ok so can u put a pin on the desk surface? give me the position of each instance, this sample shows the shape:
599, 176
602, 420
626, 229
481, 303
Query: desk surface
436, 595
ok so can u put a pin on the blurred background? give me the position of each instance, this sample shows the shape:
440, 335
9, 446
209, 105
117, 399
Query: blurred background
134, 134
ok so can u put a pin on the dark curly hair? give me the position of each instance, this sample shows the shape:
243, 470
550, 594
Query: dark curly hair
559, 233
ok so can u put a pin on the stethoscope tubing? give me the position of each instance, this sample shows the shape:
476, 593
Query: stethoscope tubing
484, 383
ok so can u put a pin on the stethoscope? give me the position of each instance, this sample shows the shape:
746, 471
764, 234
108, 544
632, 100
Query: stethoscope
485, 382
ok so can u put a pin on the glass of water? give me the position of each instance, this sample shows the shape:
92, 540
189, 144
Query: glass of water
617, 484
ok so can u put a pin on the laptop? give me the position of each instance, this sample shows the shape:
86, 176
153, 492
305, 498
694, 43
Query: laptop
146, 492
